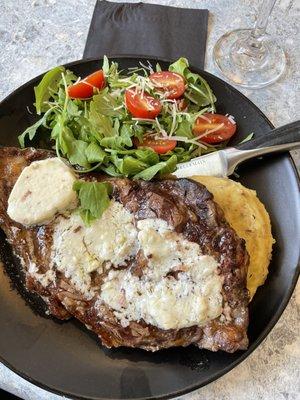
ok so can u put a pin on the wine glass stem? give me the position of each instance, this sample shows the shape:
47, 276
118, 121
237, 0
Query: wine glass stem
262, 18
251, 53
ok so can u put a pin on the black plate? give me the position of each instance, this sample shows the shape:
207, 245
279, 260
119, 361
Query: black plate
67, 359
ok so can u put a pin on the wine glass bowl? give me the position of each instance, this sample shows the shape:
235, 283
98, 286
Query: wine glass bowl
248, 54
250, 57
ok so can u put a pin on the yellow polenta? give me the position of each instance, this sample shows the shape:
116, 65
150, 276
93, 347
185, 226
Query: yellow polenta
249, 218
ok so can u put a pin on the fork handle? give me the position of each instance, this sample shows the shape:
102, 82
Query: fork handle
289, 133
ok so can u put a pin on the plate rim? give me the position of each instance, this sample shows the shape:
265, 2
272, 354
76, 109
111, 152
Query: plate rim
283, 304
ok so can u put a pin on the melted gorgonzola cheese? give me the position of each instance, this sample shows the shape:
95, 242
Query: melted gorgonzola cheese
78, 249
180, 287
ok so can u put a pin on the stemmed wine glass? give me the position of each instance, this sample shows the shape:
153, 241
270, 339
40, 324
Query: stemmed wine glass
250, 57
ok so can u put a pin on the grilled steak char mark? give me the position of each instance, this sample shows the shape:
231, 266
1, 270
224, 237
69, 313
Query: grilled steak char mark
185, 205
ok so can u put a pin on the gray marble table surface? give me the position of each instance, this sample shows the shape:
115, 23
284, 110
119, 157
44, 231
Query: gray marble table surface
36, 35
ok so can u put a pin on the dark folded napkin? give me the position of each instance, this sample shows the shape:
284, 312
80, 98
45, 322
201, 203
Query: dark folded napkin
146, 29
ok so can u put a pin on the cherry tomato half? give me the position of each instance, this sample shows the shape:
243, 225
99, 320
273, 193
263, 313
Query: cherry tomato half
142, 106
171, 83
85, 88
160, 146
212, 121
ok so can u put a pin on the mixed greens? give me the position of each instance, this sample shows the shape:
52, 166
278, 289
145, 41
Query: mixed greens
93, 199
100, 134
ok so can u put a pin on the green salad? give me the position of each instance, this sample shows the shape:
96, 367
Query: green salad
137, 123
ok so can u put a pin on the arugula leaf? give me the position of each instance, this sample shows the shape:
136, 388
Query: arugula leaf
116, 142
43, 90
126, 132
73, 148
106, 126
183, 154
110, 70
32, 130
148, 156
105, 104
111, 170
138, 131
65, 138
83, 129
105, 65
198, 91
116, 125
73, 109
184, 129
94, 153
77, 153
102, 125
170, 166
117, 161
69, 78
62, 134
131, 166
163, 167
93, 198
149, 173
179, 66
247, 138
